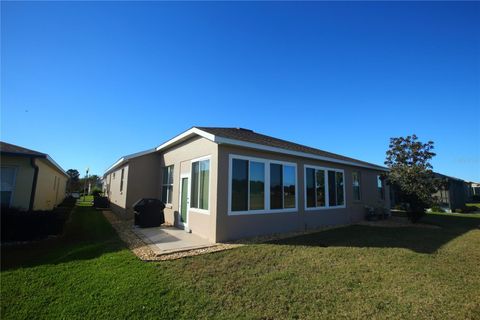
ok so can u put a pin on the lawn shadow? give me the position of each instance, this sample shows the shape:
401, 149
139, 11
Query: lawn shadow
87, 235
422, 240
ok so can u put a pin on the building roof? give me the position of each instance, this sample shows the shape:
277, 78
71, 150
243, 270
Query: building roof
440, 175
17, 150
127, 157
9, 149
250, 139
250, 136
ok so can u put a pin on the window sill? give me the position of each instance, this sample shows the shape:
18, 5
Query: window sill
324, 208
201, 211
273, 211
168, 206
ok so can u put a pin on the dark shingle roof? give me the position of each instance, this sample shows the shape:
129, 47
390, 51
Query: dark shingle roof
253, 137
13, 149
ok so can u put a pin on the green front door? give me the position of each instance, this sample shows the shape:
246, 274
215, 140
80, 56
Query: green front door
184, 205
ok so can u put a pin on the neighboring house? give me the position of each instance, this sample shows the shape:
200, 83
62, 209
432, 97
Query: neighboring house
230, 183
30, 180
473, 191
453, 194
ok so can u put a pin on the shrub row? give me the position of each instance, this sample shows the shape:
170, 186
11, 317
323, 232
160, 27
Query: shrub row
466, 209
18, 225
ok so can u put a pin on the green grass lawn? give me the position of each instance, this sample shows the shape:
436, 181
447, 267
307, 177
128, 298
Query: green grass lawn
352, 272
85, 201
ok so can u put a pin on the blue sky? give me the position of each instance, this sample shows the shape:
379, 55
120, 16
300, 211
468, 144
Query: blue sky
88, 82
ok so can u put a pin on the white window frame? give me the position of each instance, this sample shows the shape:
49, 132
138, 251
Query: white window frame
266, 209
197, 210
327, 190
168, 184
14, 185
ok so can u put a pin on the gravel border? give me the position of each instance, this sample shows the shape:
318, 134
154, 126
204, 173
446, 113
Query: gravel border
142, 250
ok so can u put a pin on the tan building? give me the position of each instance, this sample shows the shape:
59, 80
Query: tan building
230, 183
30, 180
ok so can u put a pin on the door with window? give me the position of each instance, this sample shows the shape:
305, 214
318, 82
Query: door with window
184, 202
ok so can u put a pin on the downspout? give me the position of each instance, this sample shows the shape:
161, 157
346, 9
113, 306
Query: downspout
34, 183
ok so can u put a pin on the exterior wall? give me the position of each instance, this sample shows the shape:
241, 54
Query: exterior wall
458, 195
51, 186
118, 199
23, 180
454, 196
181, 156
231, 227
143, 180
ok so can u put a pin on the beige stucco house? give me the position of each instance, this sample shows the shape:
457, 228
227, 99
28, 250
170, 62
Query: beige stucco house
230, 183
30, 180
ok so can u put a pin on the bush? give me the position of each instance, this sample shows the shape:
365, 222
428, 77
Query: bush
68, 202
101, 202
96, 192
18, 225
476, 198
400, 206
466, 209
437, 208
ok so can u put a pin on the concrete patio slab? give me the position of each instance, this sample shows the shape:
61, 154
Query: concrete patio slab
166, 240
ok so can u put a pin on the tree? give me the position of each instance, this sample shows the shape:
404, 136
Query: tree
411, 175
94, 181
74, 180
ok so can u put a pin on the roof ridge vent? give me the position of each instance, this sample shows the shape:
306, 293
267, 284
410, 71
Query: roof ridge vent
246, 130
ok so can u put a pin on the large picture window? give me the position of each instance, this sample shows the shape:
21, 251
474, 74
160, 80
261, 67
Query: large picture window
251, 191
282, 186
247, 185
239, 185
167, 184
289, 187
257, 186
199, 192
324, 187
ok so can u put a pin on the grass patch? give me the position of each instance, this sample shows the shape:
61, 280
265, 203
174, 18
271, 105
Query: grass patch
352, 272
85, 201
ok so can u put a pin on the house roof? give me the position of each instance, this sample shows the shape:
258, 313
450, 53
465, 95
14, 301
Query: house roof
127, 157
250, 139
9, 149
440, 175
246, 135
